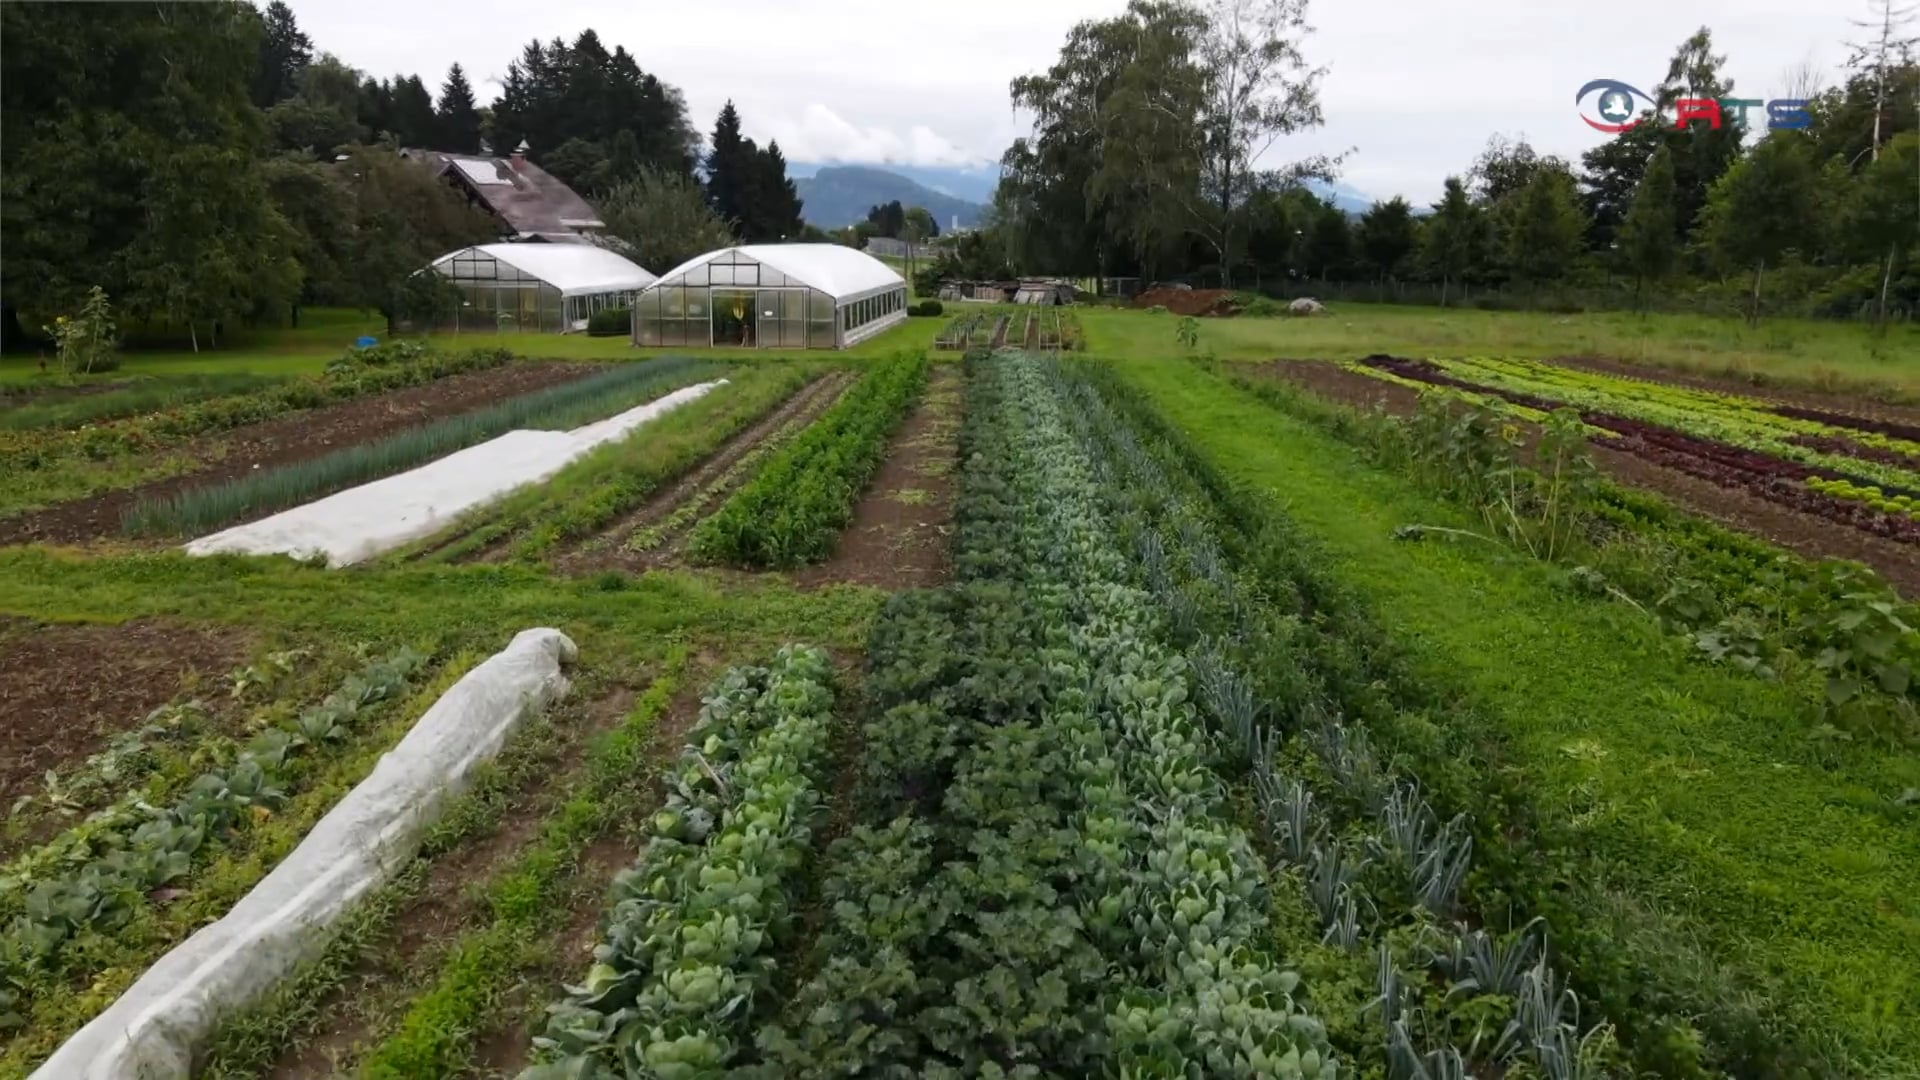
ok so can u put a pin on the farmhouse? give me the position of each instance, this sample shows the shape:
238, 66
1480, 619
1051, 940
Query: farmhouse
550, 287
786, 296
531, 205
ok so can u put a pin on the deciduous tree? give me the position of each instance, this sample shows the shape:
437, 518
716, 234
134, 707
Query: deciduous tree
1455, 236
1386, 236
1762, 207
664, 219
1647, 242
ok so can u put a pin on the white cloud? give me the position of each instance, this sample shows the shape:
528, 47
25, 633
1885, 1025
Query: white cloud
1415, 87
820, 134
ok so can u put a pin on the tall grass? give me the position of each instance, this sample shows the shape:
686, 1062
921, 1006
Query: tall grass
69, 407
554, 408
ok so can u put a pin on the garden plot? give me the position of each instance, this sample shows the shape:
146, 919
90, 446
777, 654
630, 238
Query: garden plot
655, 533
363, 522
901, 530
1784, 500
60, 710
160, 1026
80, 485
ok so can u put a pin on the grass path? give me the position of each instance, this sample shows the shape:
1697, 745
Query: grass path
1818, 355
1695, 789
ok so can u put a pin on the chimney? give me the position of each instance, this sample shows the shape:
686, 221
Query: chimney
520, 157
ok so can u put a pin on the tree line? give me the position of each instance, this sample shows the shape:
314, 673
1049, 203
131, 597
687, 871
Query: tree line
1148, 158
205, 165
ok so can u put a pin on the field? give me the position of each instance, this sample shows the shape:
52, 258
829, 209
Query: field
1478, 698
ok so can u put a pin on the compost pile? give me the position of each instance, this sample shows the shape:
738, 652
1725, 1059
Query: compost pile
1191, 301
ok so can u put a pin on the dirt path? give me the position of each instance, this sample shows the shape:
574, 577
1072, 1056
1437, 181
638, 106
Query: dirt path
68, 689
898, 539
1807, 536
295, 437
665, 520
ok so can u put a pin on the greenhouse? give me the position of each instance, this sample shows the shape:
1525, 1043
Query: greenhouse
772, 296
547, 287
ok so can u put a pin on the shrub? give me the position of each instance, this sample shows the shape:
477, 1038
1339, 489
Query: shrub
612, 322
87, 343
928, 309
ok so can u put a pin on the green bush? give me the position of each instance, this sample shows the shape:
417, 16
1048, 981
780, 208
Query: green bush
927, 309
612, 322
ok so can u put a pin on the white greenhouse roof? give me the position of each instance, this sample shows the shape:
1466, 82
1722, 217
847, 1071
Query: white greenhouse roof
574, 269
830, 268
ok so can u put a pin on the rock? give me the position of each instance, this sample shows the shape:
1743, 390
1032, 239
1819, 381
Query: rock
1306, 306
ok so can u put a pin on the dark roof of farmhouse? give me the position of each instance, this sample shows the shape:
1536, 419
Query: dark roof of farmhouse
531, 201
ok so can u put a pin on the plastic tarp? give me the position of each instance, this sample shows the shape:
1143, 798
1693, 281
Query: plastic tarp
359, 523
574, 269
830, 268
166, 1017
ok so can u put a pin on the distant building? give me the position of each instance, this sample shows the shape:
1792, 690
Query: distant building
530, 204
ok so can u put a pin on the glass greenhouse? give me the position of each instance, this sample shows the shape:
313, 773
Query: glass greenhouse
548, 287
772, 296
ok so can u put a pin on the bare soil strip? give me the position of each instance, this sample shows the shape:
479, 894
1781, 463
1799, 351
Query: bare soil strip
608, 550
1800, 533
295, 437
898, 538
68, 689
411, 946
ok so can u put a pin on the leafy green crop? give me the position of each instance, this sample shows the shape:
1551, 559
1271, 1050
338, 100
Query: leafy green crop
789, 514
563, 406
94, 882
690, 940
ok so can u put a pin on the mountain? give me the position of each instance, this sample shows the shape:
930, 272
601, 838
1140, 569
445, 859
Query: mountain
839, 195
1350, 199
974, 183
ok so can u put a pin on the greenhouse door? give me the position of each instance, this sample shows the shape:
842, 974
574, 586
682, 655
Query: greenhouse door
733, 319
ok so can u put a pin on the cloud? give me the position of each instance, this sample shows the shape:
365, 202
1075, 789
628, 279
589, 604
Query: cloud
820, 134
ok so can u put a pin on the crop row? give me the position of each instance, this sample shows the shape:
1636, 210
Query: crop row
1377, 869
790, 513
64, 900
1689, 990
1721, 418
360, 374
1045, 879
595, 490
1810, 488
131, 398
567, 405
690, 941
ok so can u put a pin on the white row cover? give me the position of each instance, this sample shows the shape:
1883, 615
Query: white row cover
359, 523
830, 268
574, 269
166, 1018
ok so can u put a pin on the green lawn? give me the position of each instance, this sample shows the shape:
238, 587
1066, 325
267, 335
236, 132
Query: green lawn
325, 333
1799, 352
1693, 790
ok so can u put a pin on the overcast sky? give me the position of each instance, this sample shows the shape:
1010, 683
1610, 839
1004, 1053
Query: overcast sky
1414, 88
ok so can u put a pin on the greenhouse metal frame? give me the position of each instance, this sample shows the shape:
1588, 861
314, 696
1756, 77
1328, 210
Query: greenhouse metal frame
771, 296
543, 287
